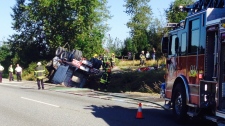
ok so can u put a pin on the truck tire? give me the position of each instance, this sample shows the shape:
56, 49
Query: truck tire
59, 51
76, 54
64, 55
179, 103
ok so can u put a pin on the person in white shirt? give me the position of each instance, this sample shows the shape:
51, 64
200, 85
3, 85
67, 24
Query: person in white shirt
147, 55
18, 72
1, 71
153, 54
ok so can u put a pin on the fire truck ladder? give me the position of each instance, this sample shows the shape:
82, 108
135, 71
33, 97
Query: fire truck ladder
204, 4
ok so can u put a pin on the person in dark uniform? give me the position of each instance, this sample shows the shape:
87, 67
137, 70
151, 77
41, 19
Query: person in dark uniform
113, 60
105, 79
39, 73
153, 54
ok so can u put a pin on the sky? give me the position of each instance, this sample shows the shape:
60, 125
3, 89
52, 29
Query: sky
117, 23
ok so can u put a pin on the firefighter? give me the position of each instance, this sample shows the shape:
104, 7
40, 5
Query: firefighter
103, 58
113, 60
105, 78
10, 69
142, 58
95, 56
39, 73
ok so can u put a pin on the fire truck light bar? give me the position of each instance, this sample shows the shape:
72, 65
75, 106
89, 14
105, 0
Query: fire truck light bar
223, 25
172, 25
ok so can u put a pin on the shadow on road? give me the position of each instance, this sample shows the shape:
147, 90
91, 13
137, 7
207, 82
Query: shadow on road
120, 116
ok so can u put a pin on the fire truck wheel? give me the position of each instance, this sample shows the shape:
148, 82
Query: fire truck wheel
179, 103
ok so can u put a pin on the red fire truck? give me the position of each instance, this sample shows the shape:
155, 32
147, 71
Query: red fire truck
195, 53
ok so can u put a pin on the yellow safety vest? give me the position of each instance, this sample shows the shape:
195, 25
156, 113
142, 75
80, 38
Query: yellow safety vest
10, 69
39, 73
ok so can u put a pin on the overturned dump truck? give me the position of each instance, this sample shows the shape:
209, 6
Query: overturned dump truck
70, 68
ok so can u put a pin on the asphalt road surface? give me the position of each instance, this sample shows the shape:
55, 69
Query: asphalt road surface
26, 106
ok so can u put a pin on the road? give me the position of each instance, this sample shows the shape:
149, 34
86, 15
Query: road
23, 105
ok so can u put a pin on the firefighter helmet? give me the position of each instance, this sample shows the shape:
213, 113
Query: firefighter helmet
39, 63
95, 55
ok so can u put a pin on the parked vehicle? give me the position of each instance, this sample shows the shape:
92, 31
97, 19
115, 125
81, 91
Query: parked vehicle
195, 49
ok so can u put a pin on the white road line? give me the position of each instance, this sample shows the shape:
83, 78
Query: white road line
40, 102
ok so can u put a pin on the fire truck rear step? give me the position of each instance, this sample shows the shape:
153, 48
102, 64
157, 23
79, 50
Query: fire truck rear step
219, 118
220, 114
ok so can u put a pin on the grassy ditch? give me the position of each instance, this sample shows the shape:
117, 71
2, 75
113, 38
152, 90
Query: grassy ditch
128, 80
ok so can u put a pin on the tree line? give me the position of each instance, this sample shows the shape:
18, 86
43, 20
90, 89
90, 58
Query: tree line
41, 26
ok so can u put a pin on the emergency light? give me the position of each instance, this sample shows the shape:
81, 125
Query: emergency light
223, 25
200, 76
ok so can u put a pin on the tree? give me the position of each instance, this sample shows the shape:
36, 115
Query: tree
128, 46
5, 57
44, 25
140, 13
174, 15
155, 34
5, 52
113, 46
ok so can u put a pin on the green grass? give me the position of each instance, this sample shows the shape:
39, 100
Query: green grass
130, 80
129, 63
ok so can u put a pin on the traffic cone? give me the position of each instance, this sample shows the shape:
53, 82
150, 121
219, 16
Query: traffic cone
139, 112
